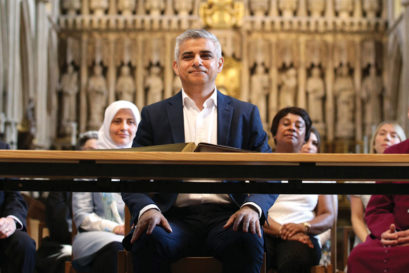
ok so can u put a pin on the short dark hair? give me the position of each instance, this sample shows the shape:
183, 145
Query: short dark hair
295, 111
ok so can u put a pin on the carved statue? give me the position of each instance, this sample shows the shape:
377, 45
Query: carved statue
259, 7
316, 7
287, 7
97, 92
125, 87
344, 96
288, 88
183, 7
372, 88
69, 89
371, 7
154, 85
316, 91
71, 6
260, 84
155, 7
344, 7
98, 6
126, 7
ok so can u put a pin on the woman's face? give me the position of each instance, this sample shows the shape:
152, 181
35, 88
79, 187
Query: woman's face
290, 134
311, 146
123, 127
385, 138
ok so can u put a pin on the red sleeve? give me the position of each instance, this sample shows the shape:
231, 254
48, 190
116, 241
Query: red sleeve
378, 214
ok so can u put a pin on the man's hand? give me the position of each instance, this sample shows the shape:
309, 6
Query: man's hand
7, 227
148, 221
390, 236
248, 217
120, 230
290, 229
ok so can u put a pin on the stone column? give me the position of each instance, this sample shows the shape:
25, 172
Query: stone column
273, 98
140, 90
302, 74
168, 74
84, 80
111, 69
3, 31
329, 82
357, 86
404, 96
245, 78
12, 60
41, 68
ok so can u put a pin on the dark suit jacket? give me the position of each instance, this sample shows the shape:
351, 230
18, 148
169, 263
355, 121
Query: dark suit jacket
238, 125
12, 203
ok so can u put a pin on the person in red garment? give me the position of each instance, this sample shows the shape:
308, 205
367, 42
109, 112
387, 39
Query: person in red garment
386, 249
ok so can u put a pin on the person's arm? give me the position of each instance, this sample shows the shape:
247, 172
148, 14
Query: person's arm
86, 219
273, 228
321, 222
258, 137
379, 214
357, 218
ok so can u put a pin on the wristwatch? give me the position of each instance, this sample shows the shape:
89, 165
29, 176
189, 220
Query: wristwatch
307, 227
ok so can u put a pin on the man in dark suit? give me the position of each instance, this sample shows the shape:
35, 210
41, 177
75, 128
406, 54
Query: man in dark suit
226, 226
17, 249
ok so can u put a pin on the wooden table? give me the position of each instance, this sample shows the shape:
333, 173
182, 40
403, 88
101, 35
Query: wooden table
162, 171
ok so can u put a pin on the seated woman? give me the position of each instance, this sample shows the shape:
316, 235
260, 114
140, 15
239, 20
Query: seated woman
294, 221
386, 134
386, 247
99, 216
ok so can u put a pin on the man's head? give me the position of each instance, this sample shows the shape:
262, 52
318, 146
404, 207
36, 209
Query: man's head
198, 60
197, 34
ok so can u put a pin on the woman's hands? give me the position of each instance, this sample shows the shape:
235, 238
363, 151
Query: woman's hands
296, 232
120, 230
290, 229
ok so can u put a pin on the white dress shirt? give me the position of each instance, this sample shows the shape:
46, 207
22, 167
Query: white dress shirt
200, 126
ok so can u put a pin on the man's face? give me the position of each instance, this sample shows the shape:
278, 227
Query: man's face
197, 63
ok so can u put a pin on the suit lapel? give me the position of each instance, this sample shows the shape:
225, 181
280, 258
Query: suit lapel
175, 115
224, 117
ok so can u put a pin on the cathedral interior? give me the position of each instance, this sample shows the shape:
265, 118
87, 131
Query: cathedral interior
64, 61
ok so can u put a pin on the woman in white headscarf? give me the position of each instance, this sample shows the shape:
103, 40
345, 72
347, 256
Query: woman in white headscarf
99, 216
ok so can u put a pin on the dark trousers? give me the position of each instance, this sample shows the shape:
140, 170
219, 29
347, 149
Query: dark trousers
106, 260
17, 253
196, 231
287, 256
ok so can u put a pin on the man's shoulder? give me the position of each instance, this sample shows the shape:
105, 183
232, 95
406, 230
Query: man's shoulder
235, 102
165, 102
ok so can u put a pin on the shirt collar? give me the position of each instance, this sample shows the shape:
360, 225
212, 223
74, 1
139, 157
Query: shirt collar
188, 102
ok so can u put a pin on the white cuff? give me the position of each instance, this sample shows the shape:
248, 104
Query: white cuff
254, 205
19, 225
148, 207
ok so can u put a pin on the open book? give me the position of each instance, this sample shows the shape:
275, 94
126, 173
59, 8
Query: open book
188, 147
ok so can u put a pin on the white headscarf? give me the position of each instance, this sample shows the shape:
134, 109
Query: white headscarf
104, 138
